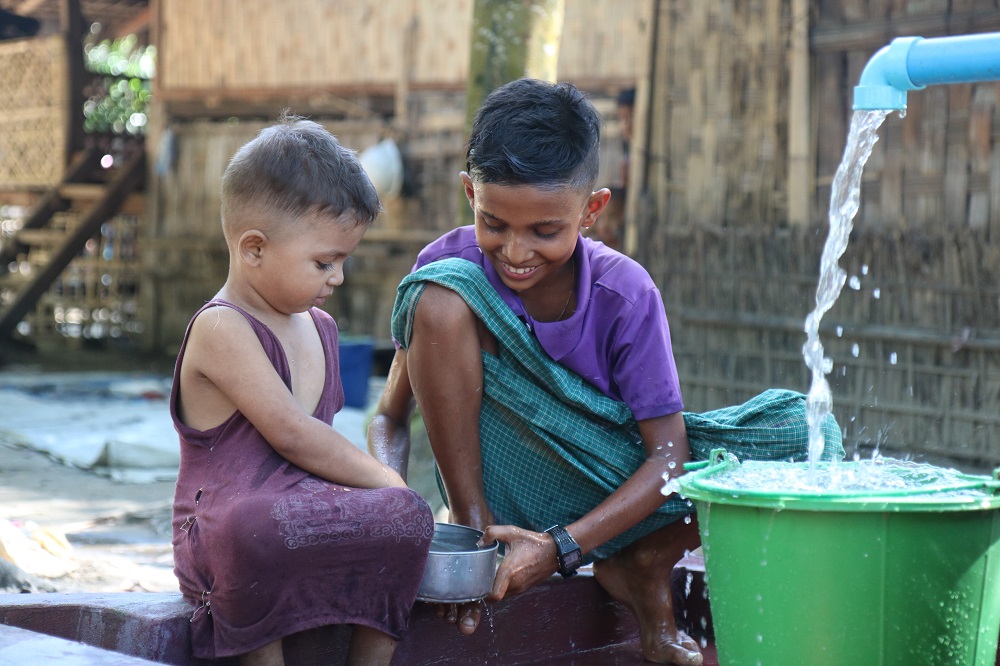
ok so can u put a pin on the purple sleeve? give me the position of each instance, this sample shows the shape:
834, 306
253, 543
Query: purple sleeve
643, 365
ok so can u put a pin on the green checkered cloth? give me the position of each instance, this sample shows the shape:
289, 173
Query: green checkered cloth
554, 446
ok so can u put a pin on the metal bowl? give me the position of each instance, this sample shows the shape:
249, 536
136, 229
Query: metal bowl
457, 569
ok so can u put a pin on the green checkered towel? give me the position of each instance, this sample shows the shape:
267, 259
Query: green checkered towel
554, 446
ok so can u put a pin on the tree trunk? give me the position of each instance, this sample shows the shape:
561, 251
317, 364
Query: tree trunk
510, 39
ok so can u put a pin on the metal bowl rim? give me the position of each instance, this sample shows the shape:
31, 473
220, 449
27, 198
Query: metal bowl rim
462, 528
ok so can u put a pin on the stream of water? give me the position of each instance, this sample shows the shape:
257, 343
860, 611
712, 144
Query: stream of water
845, 200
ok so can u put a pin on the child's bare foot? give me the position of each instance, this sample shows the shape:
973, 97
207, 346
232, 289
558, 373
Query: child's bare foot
465, 616
639, 577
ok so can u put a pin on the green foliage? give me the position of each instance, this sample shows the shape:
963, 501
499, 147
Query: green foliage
117, 100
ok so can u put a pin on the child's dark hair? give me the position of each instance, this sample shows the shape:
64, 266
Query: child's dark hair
531, 132
297, 167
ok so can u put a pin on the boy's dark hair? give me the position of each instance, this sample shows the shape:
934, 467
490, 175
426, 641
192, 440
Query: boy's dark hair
531, 132
297, 167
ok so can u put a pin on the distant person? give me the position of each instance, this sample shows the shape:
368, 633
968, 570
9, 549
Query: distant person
281, 524
625, 108
14, 26
541, 363
611, 230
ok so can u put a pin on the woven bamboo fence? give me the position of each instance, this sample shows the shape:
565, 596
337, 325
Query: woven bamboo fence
32, 112
915, 337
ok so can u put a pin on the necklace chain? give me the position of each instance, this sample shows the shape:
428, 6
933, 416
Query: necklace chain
572, 288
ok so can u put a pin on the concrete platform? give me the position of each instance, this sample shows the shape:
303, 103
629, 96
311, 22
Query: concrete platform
23, 647
560, 622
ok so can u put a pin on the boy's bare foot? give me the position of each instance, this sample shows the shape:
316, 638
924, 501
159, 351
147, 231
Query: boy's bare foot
639, 577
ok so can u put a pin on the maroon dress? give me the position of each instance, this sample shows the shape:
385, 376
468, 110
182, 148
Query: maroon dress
264, 549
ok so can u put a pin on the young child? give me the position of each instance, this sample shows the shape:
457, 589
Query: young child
541, 364
280, 523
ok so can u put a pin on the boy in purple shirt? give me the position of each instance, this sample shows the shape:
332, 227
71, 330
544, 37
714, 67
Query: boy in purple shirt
533, 166
541, 364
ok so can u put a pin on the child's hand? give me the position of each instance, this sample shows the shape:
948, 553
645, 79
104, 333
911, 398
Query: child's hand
530, 559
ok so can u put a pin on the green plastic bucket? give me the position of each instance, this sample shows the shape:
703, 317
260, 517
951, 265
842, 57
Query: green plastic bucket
814, 578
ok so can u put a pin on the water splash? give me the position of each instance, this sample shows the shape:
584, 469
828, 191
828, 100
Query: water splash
878, 475
845, 200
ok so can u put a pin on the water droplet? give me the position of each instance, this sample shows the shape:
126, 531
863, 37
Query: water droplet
687, 520
760, 638
854, 283
855, 350
876, 293
671, 465
892, 358
864, 269
840, 331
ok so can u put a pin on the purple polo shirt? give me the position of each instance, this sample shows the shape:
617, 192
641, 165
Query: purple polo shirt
617, 338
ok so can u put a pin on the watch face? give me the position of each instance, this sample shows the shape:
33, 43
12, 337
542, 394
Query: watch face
572, 559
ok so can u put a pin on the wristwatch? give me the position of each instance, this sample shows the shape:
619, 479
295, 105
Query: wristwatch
568, 552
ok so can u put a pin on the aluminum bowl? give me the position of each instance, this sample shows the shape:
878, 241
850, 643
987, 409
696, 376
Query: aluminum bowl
457, 569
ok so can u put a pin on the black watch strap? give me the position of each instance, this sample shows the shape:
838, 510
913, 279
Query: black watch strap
568, 553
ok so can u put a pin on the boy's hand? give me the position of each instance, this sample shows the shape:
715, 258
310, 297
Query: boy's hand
530, 559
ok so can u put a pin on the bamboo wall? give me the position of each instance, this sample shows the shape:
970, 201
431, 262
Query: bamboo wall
32, 114
251, 45
916, 347
938, 166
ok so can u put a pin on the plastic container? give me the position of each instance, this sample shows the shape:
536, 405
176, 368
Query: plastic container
356, 369
851, 578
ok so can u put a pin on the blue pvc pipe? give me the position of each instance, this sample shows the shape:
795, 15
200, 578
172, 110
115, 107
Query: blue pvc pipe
911, 63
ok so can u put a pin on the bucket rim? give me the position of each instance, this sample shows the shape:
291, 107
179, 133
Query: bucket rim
700, 485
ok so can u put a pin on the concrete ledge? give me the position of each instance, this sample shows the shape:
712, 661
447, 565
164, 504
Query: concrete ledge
20, 646
560, 621
152, 626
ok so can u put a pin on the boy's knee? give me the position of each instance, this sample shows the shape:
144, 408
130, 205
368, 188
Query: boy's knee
441, 309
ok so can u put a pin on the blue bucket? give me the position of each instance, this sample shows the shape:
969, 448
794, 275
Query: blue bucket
356, 369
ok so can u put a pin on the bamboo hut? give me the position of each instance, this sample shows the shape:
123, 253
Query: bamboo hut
70, 200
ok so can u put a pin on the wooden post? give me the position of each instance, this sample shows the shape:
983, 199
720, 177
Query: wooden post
510, 39
800, 167
652, 81
72, 23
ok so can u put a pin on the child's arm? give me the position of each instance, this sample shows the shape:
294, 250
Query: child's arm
224, 366
389, 430
666, 442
